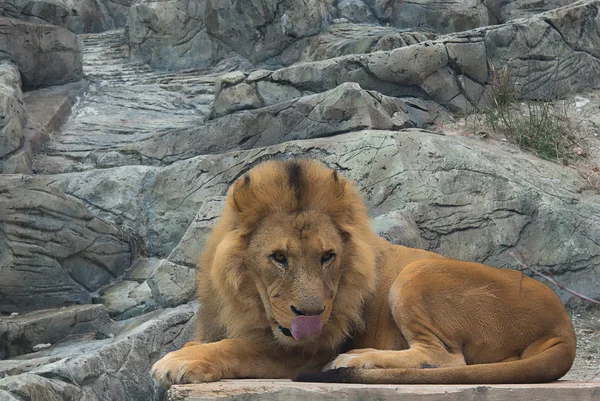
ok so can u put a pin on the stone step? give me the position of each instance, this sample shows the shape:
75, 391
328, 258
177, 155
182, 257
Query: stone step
126, 102
280, 390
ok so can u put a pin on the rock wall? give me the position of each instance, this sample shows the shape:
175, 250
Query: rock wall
46, 55
78, 16
175, 34
458, 196
54, 251
13, 114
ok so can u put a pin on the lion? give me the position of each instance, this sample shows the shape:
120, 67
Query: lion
294, 283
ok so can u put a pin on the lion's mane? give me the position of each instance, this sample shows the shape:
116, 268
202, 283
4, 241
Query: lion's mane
230, 304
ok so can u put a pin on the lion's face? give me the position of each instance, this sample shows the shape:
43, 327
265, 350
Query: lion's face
294, 260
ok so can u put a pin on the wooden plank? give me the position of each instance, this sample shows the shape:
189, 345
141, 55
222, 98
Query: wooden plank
280, 390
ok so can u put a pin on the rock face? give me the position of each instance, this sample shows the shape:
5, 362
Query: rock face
12, 113
175, 34
78, 16
22, 334
409, 179
54, 251
544, 55
108, 360
45, 55
442, 16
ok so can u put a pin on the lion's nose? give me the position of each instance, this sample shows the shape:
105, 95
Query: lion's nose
307, 311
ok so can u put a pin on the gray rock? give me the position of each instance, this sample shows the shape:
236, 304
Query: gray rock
545, 55
469, 199
544, 62
175, 34
54, 251
13, 114
46, 55
118, 11
126, 103
343, 38
342, 109
356, 11
238, 97
162, 32
47, 109
172, 284
442, 16
141, 269
113, 368
264, 30
515, 9
20, 334
126, 299
77, 16
187, 253
15, 367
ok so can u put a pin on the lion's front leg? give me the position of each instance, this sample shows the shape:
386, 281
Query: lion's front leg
193, 363
226, 359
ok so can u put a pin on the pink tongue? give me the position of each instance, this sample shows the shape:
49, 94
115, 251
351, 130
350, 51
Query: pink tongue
306, 326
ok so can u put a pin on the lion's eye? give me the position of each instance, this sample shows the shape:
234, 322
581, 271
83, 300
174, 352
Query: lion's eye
327, 257
280, 258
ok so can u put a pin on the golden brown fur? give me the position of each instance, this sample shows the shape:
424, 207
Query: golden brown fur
295, 239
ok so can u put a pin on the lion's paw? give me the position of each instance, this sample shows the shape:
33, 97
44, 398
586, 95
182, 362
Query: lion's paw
181, 368
358, 358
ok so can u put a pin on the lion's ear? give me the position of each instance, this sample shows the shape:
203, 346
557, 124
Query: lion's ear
243, 200
227, 263
238, 193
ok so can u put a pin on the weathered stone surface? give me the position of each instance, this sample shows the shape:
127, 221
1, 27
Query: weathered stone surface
342, 109
442, 16
77, 16
190, 247
119, 11
126, 104
265, 29
13, 114
16, 367
111, 364
172, 284
514, 9
21, 333
141, 269
47, 109
469, 199
343, 38
356, 11
172, 34
126, 299
45, 55
545, 56
276, 390
54, 251
176, 34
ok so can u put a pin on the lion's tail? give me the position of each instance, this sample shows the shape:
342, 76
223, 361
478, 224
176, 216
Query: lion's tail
546, 366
